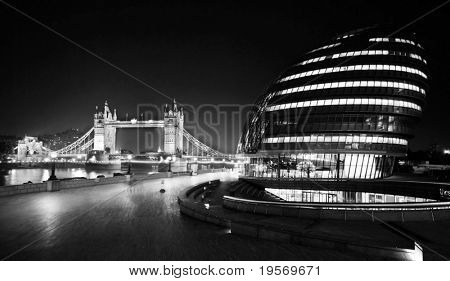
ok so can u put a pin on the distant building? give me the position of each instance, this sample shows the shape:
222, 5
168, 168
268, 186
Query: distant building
345, 110
30, 148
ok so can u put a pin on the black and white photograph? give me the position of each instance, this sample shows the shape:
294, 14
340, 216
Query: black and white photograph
224, 139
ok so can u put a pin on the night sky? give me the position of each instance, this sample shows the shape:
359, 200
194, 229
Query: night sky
198, 52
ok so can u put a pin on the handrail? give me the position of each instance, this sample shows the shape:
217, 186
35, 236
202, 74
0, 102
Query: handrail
355, 206
343, 180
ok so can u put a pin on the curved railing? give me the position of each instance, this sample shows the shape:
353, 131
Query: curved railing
347, 206
386, 212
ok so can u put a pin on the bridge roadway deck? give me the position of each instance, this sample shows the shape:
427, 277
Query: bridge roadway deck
119, 222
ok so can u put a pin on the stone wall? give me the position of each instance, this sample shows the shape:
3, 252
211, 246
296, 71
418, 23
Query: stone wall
57, 185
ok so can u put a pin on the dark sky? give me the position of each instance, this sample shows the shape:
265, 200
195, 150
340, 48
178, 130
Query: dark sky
198, 52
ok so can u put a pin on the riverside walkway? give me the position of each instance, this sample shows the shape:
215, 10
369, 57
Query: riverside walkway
123, 222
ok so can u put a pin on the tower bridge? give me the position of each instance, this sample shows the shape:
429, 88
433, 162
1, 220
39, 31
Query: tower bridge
102, 136
106, 125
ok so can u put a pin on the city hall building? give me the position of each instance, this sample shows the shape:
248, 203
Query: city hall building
345, 110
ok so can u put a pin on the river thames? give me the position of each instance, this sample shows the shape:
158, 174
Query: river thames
35, 175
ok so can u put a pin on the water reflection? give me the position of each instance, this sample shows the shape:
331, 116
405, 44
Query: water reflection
19, 176
334, 196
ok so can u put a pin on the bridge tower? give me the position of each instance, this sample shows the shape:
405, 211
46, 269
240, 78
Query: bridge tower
104, 134
173, 128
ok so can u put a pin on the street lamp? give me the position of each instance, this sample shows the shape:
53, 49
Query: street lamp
170, 162
52, 177
129, 164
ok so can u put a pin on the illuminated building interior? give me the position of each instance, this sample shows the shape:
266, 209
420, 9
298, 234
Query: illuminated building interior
345, 110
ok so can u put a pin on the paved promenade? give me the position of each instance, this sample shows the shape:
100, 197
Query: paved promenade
119, 222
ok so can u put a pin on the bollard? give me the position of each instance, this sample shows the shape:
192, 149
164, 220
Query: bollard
54, 185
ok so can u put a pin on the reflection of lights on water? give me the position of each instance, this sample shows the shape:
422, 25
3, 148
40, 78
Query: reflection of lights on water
45, 175
78, 173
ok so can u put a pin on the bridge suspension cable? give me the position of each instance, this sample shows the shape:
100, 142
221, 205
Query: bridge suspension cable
193, 146
80, 145
201, 147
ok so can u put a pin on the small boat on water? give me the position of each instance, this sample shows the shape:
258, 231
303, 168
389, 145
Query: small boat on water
162, 190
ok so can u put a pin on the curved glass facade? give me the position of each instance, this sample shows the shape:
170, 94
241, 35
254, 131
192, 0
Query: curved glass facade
345, 110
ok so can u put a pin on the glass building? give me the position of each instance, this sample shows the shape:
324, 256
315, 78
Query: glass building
344, 110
